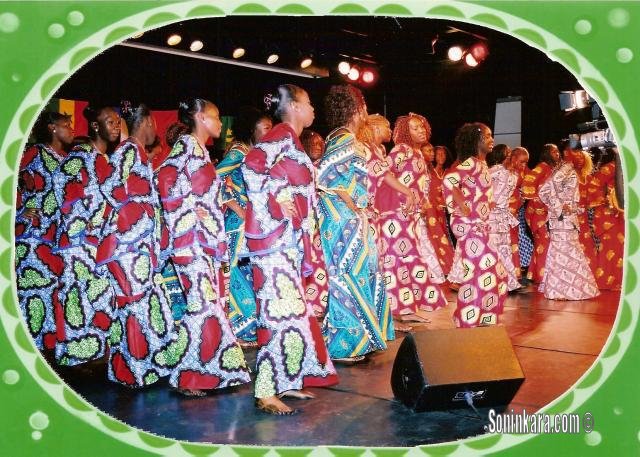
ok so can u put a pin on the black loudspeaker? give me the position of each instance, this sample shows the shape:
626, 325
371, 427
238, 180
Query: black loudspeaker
443, 369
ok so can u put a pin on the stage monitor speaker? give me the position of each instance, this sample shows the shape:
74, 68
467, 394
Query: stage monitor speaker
442, 369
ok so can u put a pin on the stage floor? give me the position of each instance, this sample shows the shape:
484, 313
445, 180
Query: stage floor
555, 341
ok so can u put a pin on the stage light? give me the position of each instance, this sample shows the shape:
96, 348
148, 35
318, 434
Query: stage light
238, 52
273, 58
196, 45
368, 76
344, 67
470, 60
479, 51
353, 74
455, 53
174, 39
306, 62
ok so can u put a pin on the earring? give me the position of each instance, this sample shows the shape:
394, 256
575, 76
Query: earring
54, 130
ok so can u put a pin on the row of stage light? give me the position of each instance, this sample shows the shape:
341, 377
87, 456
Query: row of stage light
355, 73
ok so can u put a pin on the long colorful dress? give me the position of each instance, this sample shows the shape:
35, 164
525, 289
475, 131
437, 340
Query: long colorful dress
292, 354
536, 217
377, 168
85, 298
38, 268
567, 275
483, 288
501, 221
436, 218
584, 226
608, 223
238, 280
411, 269
140, 337
190, 193
518, 233
316, 285
351, 326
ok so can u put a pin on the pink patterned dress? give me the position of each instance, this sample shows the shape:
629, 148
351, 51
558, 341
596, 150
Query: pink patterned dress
501, 220
567, 275
411, 269
482, 284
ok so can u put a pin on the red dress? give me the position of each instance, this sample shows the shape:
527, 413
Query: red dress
608, 222
436, 219
536, 217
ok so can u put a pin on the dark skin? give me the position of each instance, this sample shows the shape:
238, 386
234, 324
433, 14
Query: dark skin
106, 129
61, 137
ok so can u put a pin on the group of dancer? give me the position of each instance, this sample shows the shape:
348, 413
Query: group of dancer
312, 250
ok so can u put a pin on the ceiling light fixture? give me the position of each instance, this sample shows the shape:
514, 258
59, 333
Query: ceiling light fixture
174, 39
238, 52
196, 45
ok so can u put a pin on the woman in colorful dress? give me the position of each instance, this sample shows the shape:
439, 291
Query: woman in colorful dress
278, 229
141, 344
521, 244
249, 128
189, 190
567, 275
536, 212
373, 134
85, 297
583, 166
411, 267
38, 269
469, 197
501, 221
608, 223
317, 283
436, 214
351, 326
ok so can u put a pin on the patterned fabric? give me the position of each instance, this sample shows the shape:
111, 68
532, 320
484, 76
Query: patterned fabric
608, 224
85, 297
292, 354
238, 281
567, 275
377, 168
525, 243
351, 326
586, 238
190, 193
501, 221
38, 269
436, 219
140, 336
316, 285
411, 269
482, 289
536, 217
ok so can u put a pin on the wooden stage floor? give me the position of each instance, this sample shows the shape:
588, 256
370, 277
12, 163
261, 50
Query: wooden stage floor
555, 341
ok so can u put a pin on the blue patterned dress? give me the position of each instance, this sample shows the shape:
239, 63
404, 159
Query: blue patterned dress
38, 269
189, 191
356, 293
141, 338
85, 296
292, 354
242, 300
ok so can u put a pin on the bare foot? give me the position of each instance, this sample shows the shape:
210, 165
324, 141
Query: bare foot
413, 318
400, 327
298, 394
272, 405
